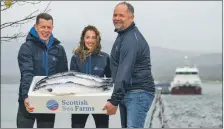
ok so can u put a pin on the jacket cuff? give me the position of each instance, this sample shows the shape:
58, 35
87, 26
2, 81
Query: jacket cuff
115, 103
25, 96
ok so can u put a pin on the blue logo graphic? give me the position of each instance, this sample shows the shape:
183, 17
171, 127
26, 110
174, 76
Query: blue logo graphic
52, 105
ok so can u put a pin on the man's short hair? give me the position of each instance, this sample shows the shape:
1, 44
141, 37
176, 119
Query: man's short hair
130, 7
44, 16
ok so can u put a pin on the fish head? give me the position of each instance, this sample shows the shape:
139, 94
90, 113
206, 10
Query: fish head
47, 89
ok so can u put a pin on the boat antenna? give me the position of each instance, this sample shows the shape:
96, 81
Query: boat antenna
186, 61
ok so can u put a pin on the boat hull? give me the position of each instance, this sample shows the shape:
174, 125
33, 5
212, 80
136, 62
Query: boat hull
186, 90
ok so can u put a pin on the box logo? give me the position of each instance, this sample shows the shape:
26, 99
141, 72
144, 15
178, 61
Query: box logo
52, 105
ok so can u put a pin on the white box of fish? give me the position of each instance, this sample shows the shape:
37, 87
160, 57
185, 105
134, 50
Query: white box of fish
70, 92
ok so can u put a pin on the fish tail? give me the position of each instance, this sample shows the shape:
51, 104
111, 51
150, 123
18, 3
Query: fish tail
41, 81
107, 80
106, 85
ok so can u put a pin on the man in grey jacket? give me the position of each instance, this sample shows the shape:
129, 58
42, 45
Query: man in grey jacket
131, 70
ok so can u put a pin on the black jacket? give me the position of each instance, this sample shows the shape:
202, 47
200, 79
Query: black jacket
96, 64
35, 58
130, 63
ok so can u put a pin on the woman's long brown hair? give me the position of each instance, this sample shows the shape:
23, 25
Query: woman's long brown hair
82, 51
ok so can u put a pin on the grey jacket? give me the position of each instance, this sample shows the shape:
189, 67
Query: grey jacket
130, 64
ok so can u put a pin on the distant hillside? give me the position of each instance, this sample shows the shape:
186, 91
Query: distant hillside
164, 61
211, 73
208, 59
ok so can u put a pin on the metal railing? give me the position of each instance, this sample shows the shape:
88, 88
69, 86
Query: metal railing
155, 108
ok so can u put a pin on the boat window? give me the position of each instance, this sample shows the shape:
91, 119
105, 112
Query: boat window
186, 73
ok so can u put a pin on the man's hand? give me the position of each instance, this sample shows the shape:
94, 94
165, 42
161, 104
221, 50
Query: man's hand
111, 109
27, 105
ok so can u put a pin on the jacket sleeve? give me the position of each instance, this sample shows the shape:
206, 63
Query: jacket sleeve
73, 65
128, 53
107, 68
63, 63
25, 63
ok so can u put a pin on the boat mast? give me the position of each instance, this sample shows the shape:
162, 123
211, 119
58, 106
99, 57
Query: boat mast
186, 63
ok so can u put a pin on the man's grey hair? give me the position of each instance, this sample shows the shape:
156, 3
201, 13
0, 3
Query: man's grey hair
130, 7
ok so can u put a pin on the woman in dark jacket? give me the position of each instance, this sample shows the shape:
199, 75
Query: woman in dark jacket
88, 58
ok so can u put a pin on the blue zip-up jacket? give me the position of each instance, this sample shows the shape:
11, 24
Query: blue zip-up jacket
130, 64
35, 58
95, 64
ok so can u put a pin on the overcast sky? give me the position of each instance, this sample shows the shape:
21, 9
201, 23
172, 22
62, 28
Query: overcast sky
182, 25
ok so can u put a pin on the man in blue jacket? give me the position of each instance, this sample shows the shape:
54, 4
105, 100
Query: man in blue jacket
40, 55
131, 70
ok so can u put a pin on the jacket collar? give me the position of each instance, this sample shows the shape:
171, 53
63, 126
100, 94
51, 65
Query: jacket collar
125, 30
